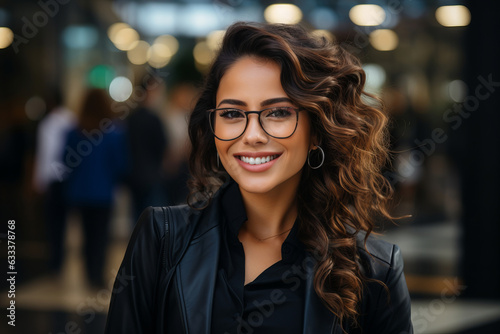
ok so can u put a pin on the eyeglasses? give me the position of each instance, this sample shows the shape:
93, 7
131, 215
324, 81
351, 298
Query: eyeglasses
230, 123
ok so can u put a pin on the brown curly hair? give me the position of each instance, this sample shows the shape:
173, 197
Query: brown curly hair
348, 192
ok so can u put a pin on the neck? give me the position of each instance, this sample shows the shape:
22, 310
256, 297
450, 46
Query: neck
271, 213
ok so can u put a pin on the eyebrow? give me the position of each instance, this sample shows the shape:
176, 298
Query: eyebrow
263, 103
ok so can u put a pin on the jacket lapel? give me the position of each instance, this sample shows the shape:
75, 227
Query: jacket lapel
196, 274
317, 318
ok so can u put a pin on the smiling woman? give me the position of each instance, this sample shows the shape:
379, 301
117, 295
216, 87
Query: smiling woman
281, 132
286, 184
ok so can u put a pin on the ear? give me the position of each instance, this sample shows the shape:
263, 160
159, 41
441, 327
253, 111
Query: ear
314, 142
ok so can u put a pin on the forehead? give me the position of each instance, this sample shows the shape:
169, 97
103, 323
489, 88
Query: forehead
251, 79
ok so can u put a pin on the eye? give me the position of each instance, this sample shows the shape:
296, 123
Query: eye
231, 113
279, 112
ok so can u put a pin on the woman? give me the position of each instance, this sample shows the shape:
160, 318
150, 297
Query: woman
286, 165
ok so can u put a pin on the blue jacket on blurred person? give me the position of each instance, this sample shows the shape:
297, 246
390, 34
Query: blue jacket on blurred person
98, 165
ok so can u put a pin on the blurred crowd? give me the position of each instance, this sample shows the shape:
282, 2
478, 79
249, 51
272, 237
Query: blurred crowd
79, 158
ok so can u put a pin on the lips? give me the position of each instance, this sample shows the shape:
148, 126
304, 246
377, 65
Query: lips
257, 161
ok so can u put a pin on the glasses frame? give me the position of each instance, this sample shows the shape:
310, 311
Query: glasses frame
259, 112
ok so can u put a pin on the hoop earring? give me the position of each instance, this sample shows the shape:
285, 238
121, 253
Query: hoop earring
322, 158
218, 160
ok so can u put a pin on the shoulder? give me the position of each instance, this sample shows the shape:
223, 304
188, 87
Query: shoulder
170, 231
158, 227
150, 225
385, 306
158, 221
187, 221
180, 223
377, 256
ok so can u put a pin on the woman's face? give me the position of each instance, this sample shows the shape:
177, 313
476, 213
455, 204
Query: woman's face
251, 84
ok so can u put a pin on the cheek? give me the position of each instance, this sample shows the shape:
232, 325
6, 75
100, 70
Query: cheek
223, 148
303, 140
298, 150
301, 151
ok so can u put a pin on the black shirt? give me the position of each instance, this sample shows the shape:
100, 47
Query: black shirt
274, 301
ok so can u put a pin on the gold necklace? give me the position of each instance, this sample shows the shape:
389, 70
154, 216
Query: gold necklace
273, 236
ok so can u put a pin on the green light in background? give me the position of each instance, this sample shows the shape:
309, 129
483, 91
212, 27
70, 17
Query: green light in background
100, 76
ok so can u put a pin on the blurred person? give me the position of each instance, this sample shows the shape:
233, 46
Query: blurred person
95, 157
147, 144
47, 180
182, 99
286, 163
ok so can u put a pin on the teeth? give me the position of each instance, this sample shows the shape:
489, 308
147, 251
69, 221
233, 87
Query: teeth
258, 161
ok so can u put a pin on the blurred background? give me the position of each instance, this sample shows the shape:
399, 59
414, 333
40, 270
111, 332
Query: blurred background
115, 81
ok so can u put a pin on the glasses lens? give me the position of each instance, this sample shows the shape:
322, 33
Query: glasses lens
279, 122
227, 124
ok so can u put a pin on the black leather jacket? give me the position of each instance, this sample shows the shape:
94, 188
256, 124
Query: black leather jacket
166, 281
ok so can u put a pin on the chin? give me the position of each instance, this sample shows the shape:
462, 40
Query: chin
255, 186
266, 184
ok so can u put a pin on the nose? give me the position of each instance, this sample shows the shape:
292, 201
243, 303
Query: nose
254, 134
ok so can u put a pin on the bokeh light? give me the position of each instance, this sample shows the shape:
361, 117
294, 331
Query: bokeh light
6, 37
453, 16
80, 37
384, 39
124, 38
120, 89
115, 28
457, 90
283, 13
367, 15
169, 41
162, 50
214, 39
159, 55
139, 53
100, 76
375, 77
203, 54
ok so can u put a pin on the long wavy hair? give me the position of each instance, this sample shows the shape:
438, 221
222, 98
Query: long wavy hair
348, 192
